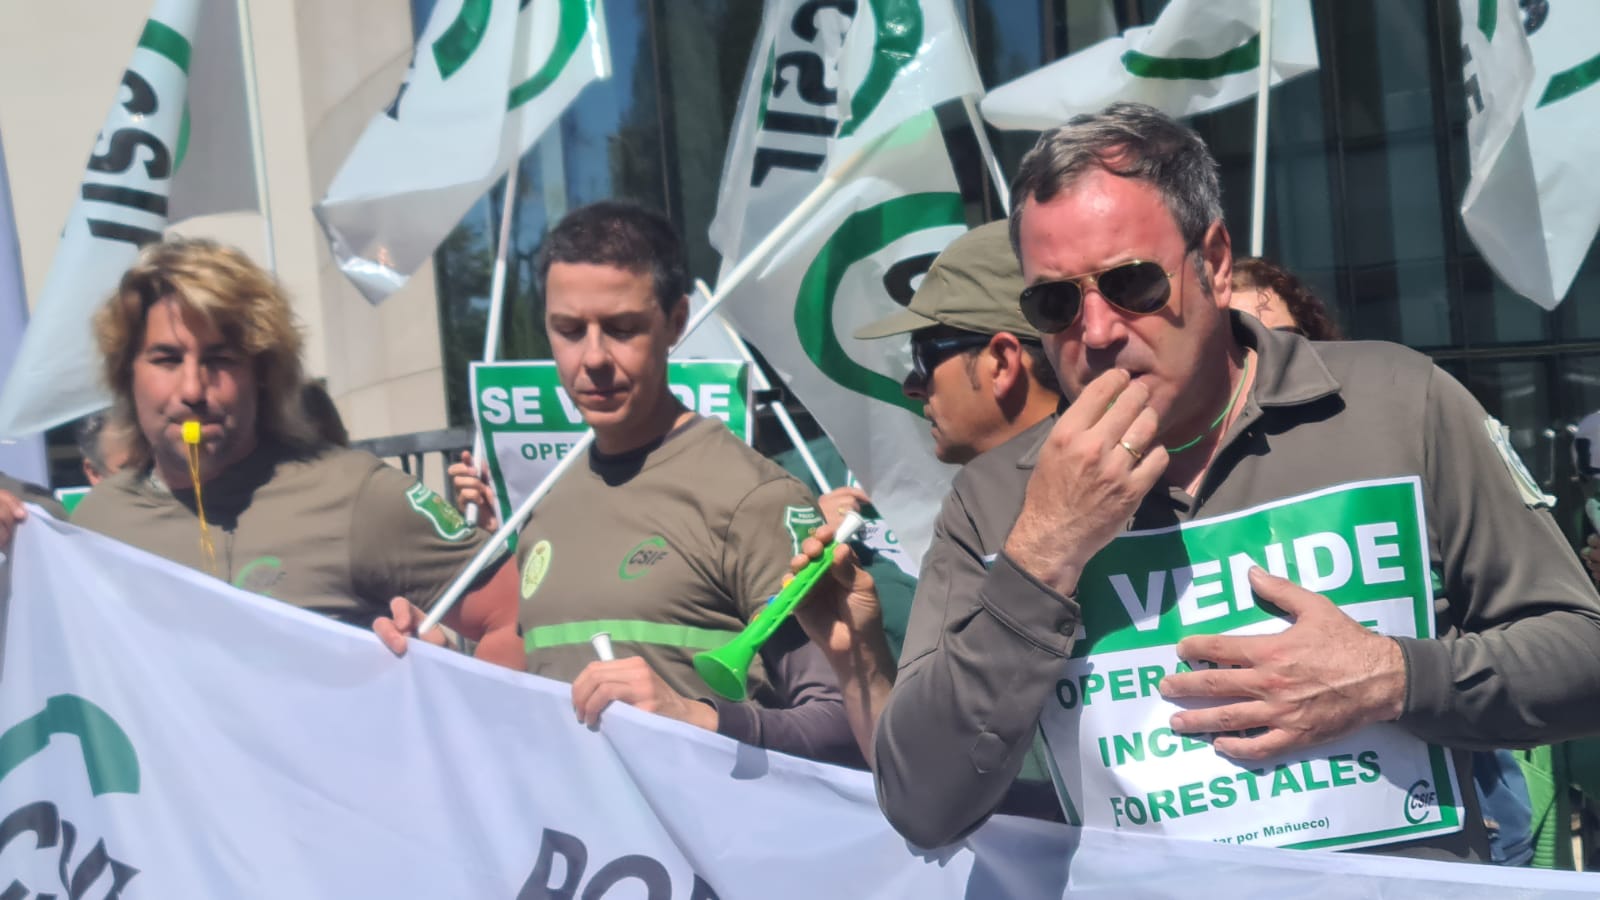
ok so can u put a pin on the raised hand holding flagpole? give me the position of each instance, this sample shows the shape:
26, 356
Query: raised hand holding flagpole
497, 300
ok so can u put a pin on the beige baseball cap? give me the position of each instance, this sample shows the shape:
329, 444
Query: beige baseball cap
973, 285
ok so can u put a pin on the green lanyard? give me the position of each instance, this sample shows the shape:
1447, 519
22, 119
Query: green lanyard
1221, 415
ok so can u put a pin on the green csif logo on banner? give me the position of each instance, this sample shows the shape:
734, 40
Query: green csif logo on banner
111, 766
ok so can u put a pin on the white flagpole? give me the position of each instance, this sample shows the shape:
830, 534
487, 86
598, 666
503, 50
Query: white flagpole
758, 380
1000, 186
252, 101
1258, 180
497, 299
756, 257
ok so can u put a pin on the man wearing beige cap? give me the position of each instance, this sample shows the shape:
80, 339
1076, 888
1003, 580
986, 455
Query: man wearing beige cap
991, 395
967, 309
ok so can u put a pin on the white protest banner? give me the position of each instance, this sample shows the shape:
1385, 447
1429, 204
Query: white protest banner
487, 78
130, 189
1198, 55
165, 735
1362, 545
1530, 75
528, 421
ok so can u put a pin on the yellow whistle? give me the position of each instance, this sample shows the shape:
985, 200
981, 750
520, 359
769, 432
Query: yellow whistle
191, 431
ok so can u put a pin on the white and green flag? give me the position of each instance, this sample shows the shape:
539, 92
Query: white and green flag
1533, 110
164, 153
826, 80
529, 423
827, 84
855, 261
1198, 55
487, 78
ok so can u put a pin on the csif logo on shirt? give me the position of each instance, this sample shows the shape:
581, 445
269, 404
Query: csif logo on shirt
638, 562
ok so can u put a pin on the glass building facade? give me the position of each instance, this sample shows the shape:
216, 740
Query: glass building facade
1367, 166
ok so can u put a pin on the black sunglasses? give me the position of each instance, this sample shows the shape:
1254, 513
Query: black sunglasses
1139, 287
928, 353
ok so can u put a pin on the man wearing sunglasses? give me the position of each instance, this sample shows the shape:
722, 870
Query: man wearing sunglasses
976, 363
988, 391
1183, 411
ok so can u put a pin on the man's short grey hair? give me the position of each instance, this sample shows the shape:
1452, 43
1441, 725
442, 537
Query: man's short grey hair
89, 432
1131, 140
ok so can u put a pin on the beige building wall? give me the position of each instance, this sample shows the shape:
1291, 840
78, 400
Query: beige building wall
323, 69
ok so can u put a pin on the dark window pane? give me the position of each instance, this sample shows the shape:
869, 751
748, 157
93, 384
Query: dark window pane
1578, 316
1515, 392
1492, 312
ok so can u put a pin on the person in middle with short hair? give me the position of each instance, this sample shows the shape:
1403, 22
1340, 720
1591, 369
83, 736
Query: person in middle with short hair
671, 534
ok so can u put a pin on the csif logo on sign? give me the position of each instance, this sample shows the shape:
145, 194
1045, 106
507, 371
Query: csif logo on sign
1420, 802
129, 177
111, 766
800, 111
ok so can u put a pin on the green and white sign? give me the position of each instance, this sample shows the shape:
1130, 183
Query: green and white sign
529, 423
1120, 766
71, 497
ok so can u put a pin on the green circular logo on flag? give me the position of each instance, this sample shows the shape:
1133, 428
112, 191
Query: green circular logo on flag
859, 241
896, 39
574, 24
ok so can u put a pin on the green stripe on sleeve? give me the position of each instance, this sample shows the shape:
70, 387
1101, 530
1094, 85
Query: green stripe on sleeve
631, 630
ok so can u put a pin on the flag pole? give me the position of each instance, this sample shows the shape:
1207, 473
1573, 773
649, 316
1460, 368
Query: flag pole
1258, 179
497, 299
1002, 189
252, 102
759, 381
746, 265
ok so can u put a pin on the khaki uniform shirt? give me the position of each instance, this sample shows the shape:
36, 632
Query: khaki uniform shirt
32, 493
1517, 661
336, 532
671, 550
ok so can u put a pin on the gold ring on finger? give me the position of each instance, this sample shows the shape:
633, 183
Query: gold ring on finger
1132, 451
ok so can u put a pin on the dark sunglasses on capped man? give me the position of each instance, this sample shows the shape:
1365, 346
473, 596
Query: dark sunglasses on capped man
1138, 287
928, 352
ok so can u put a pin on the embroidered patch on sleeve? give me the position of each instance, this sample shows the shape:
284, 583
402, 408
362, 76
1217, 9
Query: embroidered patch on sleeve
1526, 484
445, 520
801, 521
534, 568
